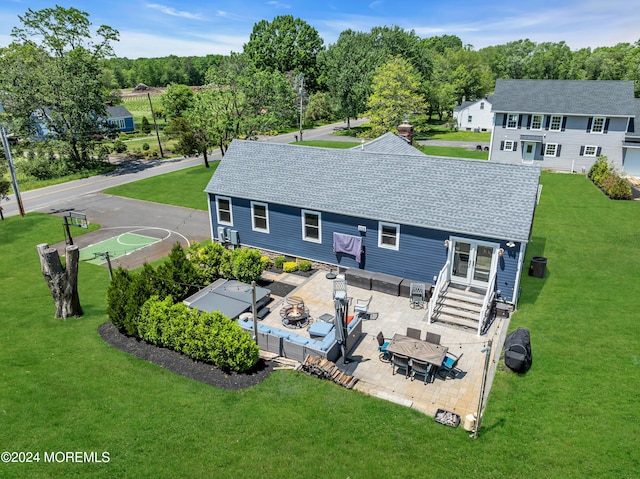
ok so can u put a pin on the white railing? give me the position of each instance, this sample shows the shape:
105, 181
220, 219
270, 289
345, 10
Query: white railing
488, 301
441, 282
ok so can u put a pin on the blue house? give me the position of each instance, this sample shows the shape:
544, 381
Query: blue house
121, 118
383, 207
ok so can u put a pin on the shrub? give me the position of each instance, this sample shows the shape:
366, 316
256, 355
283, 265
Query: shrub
605, 177
290, 266
208, 259
145, 126
180, 278
119, 146
266, 262
599, 170
125, 295
145, 147
246, 265
304, 265
619, 189
278, 262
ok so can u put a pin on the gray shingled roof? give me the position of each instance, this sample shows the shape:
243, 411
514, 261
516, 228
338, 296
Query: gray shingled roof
118, 111
570, 97
390, 143
450, 194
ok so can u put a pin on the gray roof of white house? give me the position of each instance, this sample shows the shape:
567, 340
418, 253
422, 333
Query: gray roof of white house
390, 143
568, 97
451, 194
118, 111
467, 103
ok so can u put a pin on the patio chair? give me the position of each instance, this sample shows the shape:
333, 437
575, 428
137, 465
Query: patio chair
420, 367
339, 288
385, 356
432, 338
448, 365
361, 307
414, 333
400, 362
417, 295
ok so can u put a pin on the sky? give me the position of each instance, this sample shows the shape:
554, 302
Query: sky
158, 28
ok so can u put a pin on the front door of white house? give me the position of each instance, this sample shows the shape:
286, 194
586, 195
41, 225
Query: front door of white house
528, 151
472, 262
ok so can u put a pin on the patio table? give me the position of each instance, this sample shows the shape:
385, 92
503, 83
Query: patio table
416, 349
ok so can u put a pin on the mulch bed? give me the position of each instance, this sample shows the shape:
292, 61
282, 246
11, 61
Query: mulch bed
181, 364
277, 288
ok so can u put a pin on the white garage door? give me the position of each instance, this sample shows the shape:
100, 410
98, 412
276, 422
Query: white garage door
632, 162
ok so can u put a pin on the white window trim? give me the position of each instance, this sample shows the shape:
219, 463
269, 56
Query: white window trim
516, 118
555, 149
469, 118
253, 216
541, 122
593, 122
595, 150
510, 144
303, 215
395, 247
226, 223
551, 123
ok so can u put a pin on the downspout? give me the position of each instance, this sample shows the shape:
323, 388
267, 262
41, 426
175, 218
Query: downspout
210, 217
493, 131
516, 289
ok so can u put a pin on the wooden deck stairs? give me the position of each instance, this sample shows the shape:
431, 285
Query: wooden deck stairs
458, 306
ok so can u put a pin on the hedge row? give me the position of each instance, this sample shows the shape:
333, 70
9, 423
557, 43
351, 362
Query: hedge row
604, 176
203, 336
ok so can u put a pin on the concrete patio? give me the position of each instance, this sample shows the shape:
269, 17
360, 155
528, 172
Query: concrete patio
394, 315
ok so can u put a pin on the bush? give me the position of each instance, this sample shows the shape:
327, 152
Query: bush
125, 295
246, 265
266, 262
119, 146
290, 266
278, 262
599, 170
145, 147
179, 276
605, 177
619, 189
304, 265
208, 258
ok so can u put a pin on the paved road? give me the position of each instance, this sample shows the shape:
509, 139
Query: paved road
51, 198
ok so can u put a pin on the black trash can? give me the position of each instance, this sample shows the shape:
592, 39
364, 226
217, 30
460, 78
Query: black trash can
538, 266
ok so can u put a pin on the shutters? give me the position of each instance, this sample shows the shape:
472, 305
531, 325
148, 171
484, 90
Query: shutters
520, 121
502, 145
542, 145
598, 151
546, 124
564, 122
582, 151
515, 146
631, 128
504, 120
589, 121
558, 148
529, 122
606, 125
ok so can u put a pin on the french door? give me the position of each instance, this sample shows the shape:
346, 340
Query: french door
472, 263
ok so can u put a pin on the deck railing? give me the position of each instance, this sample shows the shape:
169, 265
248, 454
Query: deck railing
441, 282
487, 303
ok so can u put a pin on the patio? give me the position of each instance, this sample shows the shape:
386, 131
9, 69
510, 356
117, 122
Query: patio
394, 315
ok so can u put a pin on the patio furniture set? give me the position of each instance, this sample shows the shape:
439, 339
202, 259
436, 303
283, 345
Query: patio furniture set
413, 356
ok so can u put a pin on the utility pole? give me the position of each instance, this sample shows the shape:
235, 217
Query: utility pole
300, 79
153, 116
12, 170
487, 352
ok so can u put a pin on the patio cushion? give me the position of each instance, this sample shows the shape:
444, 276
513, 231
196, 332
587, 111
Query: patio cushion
294, 338
281, 333
320, 329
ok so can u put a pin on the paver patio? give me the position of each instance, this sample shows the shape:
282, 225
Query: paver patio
394, 315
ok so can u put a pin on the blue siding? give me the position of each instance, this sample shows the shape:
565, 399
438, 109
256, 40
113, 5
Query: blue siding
421, 254
128, 125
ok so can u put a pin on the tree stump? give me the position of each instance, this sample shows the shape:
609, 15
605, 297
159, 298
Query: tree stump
62, 282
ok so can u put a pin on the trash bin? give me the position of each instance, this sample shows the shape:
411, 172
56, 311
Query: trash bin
538, 266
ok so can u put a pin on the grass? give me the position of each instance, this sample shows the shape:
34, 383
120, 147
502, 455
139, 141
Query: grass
161, 189
453, 151
327, 144
139, 107
26, 183
451, 135
573, 415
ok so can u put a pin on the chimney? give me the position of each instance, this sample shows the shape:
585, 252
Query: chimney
405, 130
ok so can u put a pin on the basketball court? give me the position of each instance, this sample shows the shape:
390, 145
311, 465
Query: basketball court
116, 246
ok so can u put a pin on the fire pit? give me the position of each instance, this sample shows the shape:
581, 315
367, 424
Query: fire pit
295, 315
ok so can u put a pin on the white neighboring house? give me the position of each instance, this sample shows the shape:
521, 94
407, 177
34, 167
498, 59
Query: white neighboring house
474, 115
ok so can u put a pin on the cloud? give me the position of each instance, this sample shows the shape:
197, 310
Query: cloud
175, 13
279, 5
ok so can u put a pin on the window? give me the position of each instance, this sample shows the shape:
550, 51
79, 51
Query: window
259, 217
598, 125
482, 105
590, 150
529, 148
512, 121
508, 145
536, 122
118, 123
550, 149
311, 226
223, 208
469, 119
388, 235
556, 123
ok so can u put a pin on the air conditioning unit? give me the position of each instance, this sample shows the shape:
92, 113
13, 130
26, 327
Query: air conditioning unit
222, 237
234, 238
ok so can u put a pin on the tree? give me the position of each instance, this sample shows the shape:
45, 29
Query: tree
395, 94
177, 99
191, 139
286, 44
62, 281
54, 69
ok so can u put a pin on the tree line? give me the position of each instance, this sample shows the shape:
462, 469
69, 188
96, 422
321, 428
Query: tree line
59, 69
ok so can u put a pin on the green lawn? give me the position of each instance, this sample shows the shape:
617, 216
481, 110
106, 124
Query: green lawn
160, 189
451, 135
573, 415
327, 144
453, 151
